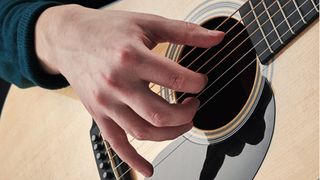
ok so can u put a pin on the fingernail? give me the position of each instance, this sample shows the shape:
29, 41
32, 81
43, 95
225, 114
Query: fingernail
190, 125
191, 101
206, 78
217, 36
147, 173
216, 33
196, 101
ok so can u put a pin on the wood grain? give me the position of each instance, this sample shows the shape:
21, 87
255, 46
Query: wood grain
45, 134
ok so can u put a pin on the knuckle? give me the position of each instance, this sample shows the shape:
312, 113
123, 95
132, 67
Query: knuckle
126, 56
117, 141
157, 17
99, 97
176, 81
111, 80
157, 119
190, 27
202, 83
170, 137
139, 134
90, 109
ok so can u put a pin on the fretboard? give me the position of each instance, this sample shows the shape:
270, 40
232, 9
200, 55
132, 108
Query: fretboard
272, 24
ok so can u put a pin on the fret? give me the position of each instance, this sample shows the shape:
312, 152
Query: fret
285, 17
260, 27
298, 9
314, 5
271, 21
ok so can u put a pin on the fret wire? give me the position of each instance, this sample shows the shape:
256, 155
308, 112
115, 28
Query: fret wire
299, 12
315, 7
285, 17
271, 20
261, 29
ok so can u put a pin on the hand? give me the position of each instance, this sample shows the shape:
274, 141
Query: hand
106, 58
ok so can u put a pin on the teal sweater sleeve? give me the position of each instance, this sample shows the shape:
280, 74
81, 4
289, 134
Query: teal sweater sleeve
18, 61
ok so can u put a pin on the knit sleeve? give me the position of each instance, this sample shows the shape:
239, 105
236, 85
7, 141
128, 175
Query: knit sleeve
18, 60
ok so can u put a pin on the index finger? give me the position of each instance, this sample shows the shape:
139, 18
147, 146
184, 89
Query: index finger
165, 72
181, 32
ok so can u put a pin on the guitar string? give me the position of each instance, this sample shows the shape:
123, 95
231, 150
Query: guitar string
180, 62
229, 82
184, 57
212, 57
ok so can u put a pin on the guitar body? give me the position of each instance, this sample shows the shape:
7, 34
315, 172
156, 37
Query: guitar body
45, 134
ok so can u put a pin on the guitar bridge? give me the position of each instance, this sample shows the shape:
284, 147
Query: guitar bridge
109, 165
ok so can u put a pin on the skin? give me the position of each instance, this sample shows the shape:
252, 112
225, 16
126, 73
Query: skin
107, 59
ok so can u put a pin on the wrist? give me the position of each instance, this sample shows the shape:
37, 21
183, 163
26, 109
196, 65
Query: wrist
49, 27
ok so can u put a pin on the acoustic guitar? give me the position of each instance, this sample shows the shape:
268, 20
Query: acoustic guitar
258, 118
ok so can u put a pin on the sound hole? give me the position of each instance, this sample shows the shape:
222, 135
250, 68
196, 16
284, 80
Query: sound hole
226, 104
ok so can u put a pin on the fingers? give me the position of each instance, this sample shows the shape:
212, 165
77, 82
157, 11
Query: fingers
158, 111
117, 139
181, 32
141, 129
162, 71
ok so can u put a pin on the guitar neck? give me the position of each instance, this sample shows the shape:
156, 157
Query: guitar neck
272, 24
